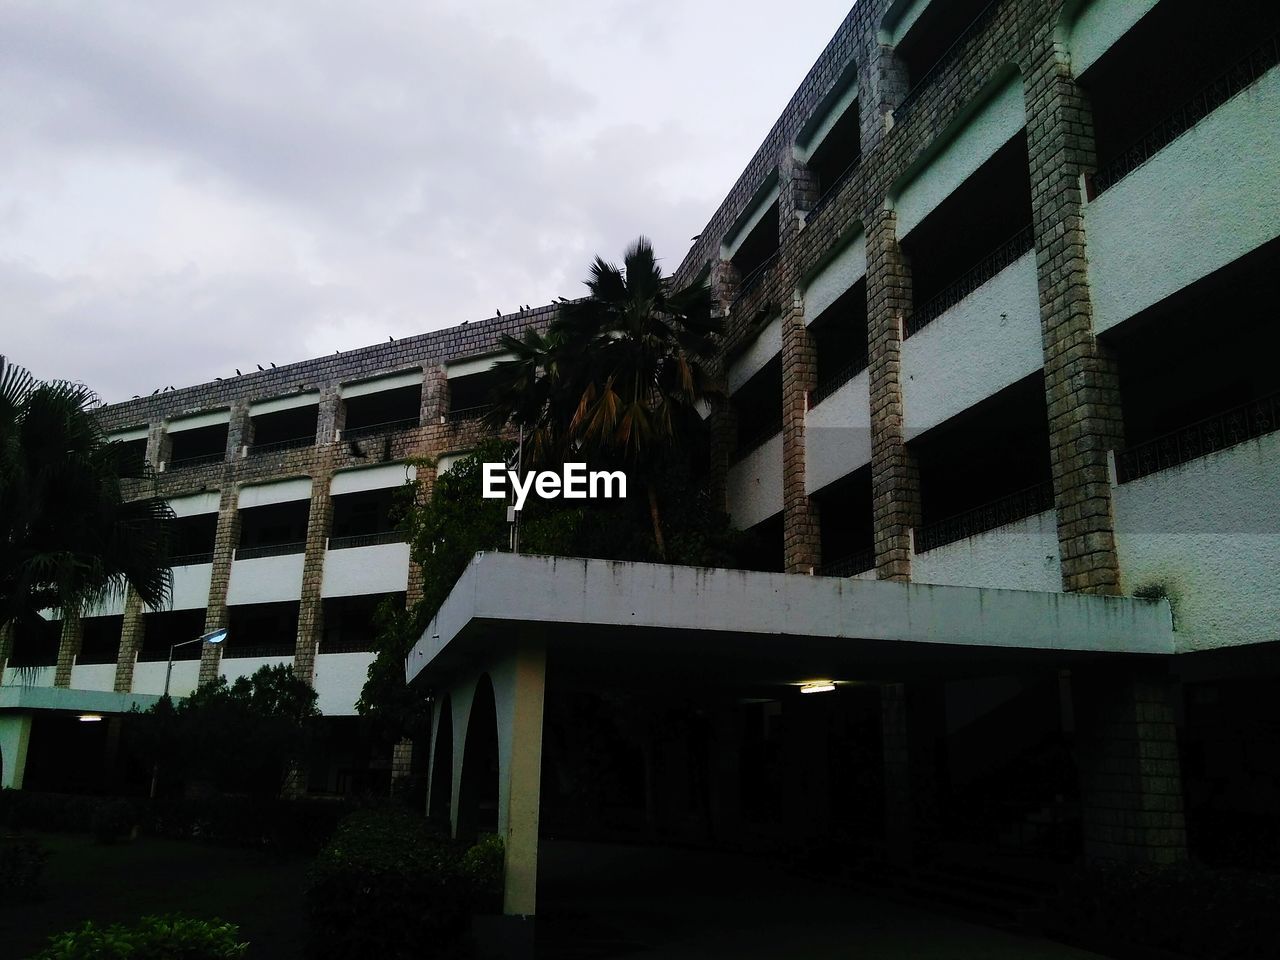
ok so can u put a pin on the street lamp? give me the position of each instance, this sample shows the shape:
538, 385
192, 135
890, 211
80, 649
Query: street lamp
214, 637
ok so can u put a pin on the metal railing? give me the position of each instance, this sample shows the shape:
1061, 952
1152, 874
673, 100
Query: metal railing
346, 645
191, 559
948, 57
834, 381
1246, 422
161, 654
99, 658
366, 539
270, 550
186, 463
957, 290
281, 648
829, 192
468, 413
293, 443
372, 429
853, 564
1221, 89
756, 436
998, 513
753, 279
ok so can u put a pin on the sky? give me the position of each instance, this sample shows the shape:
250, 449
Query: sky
190, 188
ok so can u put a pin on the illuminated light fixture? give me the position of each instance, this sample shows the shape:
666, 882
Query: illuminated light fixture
818, 686
90, 717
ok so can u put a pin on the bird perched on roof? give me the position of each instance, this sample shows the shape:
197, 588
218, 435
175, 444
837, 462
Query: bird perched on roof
563, 299
219, 379
155, 391
273, 366
390, 339
136, 397
259, 366
238, 373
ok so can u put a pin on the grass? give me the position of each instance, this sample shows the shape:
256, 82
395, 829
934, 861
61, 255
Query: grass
87, 881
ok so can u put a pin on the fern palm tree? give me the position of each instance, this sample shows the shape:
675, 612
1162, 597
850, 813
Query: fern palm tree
68, 538
619, 377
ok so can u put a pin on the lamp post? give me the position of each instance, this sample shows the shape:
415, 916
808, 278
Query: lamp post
214, 637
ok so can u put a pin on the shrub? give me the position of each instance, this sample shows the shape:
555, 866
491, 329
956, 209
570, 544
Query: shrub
152, 938
112, 819
21, 866
482, 867
390, 885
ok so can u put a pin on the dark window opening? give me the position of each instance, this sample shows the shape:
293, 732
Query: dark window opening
847, 525
160, 631
261, 630
132, 457
365, 518
983, 227
764, 547
190, 448
839, 152
35, 643
758, 249
273, 530
757, 405
942, 25
840, 339
985, 468
1186, 392
350, 623
385, 411
100, 639
470, 397
1169, 71
285, 429
192, 539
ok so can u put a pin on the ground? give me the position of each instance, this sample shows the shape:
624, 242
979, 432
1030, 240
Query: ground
88, 881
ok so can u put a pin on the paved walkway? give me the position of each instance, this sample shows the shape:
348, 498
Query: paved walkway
598, 901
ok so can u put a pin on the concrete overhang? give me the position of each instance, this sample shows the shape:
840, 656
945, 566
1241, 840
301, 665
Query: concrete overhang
19, 697
603, 617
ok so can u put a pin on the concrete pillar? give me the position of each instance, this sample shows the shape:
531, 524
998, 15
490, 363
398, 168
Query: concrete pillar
131, 631
519, 686
1130, 777
802, 545
15, 735
894, 484
224, 544
68, 648
1081, 382
911, 716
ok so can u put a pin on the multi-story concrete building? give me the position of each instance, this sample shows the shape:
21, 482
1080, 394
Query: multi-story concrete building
998, 289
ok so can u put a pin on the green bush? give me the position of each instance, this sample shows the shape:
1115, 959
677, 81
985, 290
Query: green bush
152, 938
21, 866
482, 867
391, 885
112, 820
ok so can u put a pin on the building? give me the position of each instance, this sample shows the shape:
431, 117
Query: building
977, 282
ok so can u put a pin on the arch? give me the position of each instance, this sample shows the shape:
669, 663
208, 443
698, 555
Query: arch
440, 777
477, 811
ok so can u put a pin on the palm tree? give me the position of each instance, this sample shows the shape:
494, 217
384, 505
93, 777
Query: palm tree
619, 376
68, 538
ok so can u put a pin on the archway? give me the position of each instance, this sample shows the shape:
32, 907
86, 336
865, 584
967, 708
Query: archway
441, 796
478, 790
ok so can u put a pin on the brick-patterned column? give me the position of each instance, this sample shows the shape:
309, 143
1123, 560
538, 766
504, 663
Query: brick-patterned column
401, 763
330, 415
894, 485
1130, 782
68, 648
802, 545
1081, 386
310, 604
131, 630
435, 394
224, 544
424, 485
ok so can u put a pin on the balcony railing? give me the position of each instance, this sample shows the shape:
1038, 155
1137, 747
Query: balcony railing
200, 460
160, 654
1241, 76
373, 429
293, 443
280, 648
981, 272
948, 57
851, 565
87, 658
831, 190
346, 645
270, 550
366, 539
464, 414
1247, 422
833, 382
752, 279
191, 559
989, 516
756, 435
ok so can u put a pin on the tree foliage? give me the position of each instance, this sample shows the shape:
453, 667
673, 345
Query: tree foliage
68, 536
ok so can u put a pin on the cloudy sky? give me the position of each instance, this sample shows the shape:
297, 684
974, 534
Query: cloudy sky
189, 188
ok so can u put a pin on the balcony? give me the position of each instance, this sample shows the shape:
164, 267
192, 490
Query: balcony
467, 414
366, 540
753, 279
829, 385
944, 61
191, 462
291, 443
191, 559
998, 513
270, 550
851, 565
1002, 257
755, 435
376, 429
